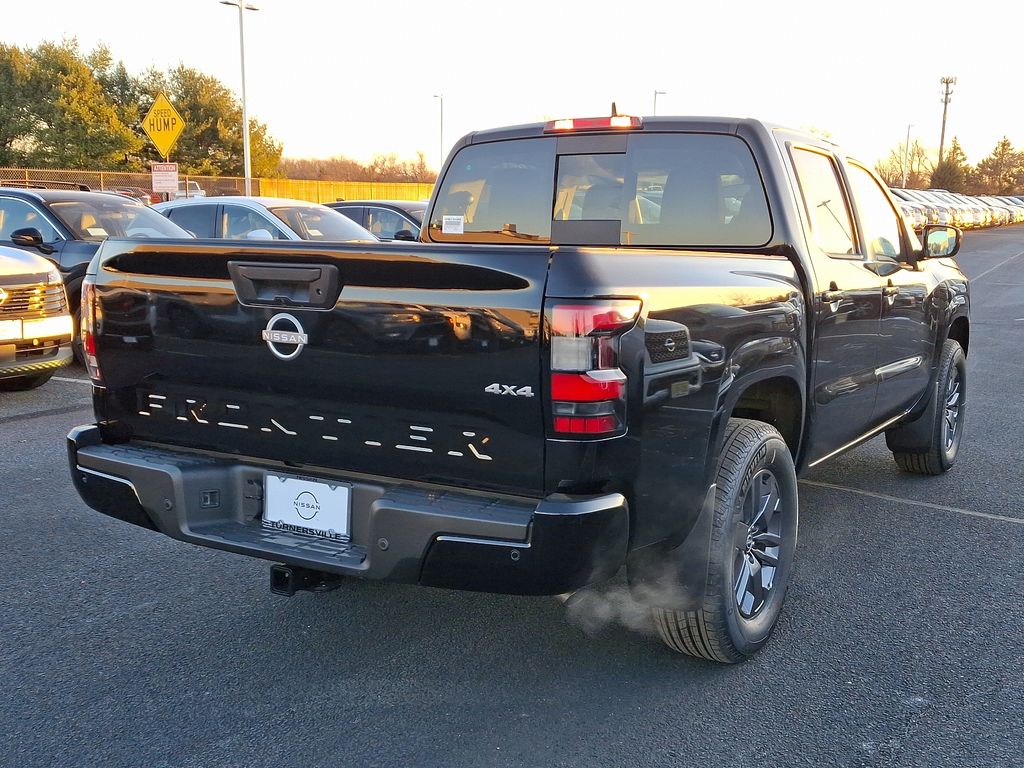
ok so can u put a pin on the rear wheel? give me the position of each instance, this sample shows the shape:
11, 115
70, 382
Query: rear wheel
929, 445
753, 541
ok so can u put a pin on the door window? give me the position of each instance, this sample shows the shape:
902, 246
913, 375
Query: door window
827, 210
384, 223
17, 214
200, 220
881, 227
240, 223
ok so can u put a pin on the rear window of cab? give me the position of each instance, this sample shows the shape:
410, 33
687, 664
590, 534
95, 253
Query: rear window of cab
669, 190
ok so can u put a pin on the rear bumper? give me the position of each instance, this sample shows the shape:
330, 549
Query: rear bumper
400, 532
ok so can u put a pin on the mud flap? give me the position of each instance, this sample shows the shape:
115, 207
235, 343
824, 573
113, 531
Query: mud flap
676, 577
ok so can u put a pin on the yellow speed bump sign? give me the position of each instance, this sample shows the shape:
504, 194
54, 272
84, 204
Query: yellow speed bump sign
163, 125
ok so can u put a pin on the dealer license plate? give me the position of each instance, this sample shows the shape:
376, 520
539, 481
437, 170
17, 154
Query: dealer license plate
10, 329
310, 507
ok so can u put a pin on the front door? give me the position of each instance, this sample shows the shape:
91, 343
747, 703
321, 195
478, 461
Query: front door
908, 335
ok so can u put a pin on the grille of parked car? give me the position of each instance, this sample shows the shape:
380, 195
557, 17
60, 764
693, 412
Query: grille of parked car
38, 300
671, 345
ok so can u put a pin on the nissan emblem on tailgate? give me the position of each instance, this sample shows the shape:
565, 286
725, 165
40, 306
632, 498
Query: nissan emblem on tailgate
274, 335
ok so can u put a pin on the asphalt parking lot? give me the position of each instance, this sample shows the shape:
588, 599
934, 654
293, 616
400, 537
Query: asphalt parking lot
900, 644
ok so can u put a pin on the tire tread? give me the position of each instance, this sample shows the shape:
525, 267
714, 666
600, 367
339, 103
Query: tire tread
702, 633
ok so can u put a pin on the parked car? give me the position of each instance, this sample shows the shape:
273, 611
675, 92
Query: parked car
188, 189
35, 322
136, 193
387, 219
261, 218
557, 385
67, 226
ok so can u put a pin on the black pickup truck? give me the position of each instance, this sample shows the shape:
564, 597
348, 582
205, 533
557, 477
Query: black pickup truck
616, 344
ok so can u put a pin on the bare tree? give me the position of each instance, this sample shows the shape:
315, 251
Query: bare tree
918, 163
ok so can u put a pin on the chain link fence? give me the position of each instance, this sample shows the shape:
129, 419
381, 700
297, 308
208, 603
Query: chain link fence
140, 185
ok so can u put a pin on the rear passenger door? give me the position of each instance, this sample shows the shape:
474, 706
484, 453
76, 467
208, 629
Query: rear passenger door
847, 310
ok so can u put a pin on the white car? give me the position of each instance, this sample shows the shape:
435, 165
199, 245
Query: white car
261, 218
189, 189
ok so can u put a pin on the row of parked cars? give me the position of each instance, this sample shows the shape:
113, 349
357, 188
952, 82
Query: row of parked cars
937, 206
49, 235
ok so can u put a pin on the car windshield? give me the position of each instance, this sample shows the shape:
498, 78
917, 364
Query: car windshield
318, 222
103, 216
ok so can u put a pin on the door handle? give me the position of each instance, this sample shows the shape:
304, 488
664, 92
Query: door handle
833, 294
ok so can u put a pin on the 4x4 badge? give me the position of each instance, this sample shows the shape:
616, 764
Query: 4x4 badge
274, 335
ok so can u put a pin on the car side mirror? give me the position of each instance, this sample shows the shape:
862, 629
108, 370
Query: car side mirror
405, 234
30, 237
940, 242
259, 234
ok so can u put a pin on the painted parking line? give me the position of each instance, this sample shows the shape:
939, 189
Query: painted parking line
997, 266
915, 503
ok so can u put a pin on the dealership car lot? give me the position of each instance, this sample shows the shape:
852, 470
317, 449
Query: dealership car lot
900, 643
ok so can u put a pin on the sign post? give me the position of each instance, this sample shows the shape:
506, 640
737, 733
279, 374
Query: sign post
164, 125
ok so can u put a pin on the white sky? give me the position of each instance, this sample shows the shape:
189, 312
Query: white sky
358, 78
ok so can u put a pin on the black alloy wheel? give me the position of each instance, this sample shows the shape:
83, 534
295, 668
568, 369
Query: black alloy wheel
758, 538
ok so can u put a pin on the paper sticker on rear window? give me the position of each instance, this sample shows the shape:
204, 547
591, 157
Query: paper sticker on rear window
453, 225
96, 231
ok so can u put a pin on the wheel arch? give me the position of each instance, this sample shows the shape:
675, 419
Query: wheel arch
960, 332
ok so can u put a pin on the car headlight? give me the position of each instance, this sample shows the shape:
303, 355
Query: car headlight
53, 277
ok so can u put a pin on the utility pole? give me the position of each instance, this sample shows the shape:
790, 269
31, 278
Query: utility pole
906, 155
947, 85
656, 94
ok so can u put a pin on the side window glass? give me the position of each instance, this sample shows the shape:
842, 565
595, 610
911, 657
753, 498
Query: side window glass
242, 224
829, 215
879, 220
17, 214
197, 219
384, 223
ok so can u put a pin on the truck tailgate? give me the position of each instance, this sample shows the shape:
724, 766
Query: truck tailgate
416, 362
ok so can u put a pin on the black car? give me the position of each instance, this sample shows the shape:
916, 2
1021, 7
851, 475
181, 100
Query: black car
67, 226
387, 219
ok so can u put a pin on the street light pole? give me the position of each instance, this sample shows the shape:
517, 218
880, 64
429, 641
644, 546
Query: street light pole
440, 141
246, 157
656, 94
906, 155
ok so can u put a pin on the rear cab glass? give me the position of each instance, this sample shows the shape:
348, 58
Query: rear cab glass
667, 190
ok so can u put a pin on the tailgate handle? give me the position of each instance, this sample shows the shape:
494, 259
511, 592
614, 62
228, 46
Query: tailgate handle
261, 284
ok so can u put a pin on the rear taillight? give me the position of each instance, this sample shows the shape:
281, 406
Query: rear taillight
89, 321
588, 389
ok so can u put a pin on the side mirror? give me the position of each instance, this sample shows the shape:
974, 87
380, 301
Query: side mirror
405, 234
30, 237
259, 234
940, 242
